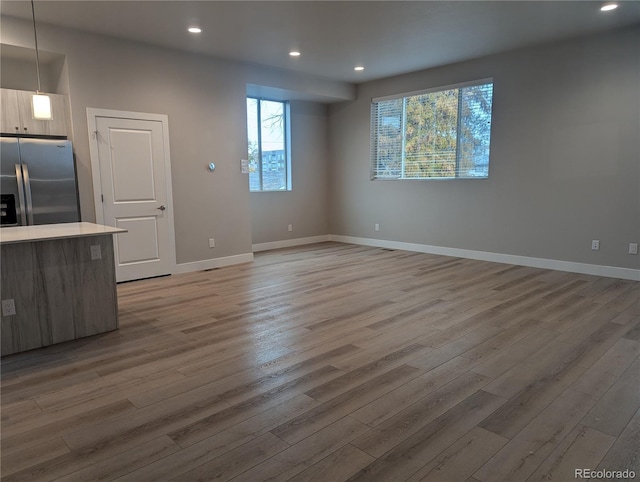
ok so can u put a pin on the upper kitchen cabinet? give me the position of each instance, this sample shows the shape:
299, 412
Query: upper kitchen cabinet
17, 116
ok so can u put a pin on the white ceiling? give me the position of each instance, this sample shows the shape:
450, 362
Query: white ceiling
387, 37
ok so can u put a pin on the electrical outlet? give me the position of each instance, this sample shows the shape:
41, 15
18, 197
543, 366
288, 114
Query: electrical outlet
377, 227
212, 243
595, 245
8, 307
633, 248
290, 228
96, 253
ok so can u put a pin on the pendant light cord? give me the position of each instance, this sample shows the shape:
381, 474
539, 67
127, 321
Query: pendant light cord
35, 36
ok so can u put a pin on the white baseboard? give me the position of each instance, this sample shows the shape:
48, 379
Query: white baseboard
570, 266
582, 268
213, 263
287, 243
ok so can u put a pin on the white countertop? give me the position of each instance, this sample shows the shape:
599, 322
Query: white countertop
44, 232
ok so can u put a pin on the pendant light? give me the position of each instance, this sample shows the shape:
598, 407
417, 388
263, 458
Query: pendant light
40, 103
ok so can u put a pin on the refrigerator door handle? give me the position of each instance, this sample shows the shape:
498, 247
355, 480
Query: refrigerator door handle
23, 211
27, 189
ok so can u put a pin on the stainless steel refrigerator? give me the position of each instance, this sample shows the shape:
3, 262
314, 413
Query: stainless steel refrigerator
37, 182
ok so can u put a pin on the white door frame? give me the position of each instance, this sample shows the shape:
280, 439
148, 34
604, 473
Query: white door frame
92, 115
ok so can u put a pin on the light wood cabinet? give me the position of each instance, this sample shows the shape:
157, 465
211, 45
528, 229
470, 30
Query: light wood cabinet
9, 112
16, 116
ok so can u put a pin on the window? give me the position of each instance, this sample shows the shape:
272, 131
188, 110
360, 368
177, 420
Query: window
434, 134
268, 136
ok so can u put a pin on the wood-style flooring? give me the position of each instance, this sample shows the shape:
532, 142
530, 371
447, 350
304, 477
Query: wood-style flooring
337, 362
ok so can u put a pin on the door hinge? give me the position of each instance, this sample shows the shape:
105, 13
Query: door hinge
102, 197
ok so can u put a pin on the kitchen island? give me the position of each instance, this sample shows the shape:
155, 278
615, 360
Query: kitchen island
57, 284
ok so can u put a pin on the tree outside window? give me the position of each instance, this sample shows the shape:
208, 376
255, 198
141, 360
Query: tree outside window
442, 134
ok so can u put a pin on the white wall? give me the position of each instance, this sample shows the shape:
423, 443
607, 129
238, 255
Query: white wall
306, 205
20, 73
565, 159
204, 99
564, 168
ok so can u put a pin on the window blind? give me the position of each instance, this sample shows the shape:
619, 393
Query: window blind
434, 134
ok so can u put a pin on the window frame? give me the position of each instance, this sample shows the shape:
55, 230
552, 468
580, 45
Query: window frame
374, 140
286, 142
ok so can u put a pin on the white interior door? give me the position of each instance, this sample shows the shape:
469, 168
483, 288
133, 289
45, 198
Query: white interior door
135, 193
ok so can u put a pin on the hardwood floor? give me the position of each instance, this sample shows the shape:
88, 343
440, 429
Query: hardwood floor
338, 362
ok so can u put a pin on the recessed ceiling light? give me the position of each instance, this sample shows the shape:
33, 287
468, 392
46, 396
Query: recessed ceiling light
609, 6
194, 29
358, 68
294, 53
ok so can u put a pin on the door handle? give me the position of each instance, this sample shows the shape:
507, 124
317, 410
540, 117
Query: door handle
27, 191
162, 207
23, 204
